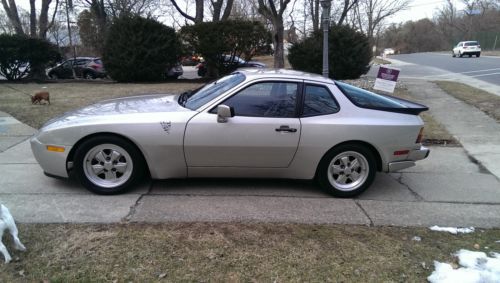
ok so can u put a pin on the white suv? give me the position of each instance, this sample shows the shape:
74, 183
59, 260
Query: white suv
467, 48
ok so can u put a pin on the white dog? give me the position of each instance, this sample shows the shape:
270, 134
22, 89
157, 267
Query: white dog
7, 223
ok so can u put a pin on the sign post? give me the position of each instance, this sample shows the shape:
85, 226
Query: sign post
387, 78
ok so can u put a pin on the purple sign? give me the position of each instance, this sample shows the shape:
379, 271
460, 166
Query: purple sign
388, 74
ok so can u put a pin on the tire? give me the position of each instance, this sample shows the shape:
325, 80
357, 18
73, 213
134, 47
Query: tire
478, 55
336, 171
453, 54
120, 164
470, 55
53, 76
89, 76
460, 54
202, 72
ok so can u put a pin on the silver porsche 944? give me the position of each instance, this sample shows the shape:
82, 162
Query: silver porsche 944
252, 124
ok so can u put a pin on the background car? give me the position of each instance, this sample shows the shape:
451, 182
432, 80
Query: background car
85, 67
253, 123
236, 62
389, 51
175, 72
466, 48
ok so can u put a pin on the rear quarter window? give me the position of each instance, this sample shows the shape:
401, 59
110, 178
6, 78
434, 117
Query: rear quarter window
367, 99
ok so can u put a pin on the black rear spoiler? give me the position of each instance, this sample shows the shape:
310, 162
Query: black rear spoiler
412, 107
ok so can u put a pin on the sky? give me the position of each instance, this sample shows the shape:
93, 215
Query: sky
420, 9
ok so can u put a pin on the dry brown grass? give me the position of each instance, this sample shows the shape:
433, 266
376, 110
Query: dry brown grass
484, 101
490, 52
234, 252
65, 96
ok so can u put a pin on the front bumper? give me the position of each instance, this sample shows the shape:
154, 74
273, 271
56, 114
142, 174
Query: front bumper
413, 155
52, 163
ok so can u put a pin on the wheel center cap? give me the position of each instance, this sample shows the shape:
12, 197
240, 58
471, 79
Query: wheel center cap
348, 171
108, 165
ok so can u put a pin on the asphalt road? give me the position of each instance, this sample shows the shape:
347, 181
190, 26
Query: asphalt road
485, 68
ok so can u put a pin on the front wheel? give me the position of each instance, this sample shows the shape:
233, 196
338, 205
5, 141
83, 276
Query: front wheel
108, 165
453, 54
347, 170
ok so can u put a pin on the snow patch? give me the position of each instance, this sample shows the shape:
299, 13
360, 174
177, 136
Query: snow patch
453, 230
476, 267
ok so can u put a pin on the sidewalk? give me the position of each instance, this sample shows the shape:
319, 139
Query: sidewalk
477, 132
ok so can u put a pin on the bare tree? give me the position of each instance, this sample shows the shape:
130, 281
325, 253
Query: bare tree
43, 25
268, 9
198, 18
370, 14
221, 10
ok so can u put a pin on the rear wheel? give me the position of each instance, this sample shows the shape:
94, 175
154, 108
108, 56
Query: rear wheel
478, 54
347, 170
53, 76
108, 164
453, 54
460, 54
89, 76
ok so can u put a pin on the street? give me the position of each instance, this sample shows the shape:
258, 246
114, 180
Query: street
482, 72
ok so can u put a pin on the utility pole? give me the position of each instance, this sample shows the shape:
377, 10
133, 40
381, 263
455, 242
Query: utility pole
325, 17
68, 3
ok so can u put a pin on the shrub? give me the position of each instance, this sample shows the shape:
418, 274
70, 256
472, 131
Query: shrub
232, 37
21, 56
349, 53
139, 49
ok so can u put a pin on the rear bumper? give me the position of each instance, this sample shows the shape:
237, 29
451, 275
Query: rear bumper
414, 155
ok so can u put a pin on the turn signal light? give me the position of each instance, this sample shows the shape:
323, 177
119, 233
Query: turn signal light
55, 148
420, 135
401, 152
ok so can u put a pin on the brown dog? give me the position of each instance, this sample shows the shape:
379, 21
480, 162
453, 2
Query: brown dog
39, 96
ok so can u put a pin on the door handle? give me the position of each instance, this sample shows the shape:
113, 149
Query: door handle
286, 129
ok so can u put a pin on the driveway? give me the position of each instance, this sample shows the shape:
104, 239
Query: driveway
446, 189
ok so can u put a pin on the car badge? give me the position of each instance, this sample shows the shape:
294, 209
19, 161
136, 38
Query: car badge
166, 126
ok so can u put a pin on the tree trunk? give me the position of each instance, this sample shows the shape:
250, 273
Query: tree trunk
32, 18
13, 15
198, 18
44, 19
315, 14
278, 35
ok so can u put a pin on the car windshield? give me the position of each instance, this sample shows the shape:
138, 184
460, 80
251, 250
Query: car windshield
472, 43
210, 91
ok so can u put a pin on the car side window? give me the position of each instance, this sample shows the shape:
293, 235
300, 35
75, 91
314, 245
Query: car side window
67, 64
318, 101
266, 99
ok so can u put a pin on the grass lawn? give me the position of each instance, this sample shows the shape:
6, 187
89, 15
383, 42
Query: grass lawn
65, 96
233, 252
484, 101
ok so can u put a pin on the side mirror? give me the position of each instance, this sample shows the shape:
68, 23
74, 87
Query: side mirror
224, 112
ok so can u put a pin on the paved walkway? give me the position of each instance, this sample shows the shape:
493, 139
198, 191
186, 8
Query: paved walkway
447, 189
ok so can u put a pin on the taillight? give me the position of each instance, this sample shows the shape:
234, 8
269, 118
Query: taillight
420, 135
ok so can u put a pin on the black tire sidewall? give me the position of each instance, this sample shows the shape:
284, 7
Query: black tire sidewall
79, 163
322, 174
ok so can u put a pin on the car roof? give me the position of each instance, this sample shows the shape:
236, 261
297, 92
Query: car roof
258, 73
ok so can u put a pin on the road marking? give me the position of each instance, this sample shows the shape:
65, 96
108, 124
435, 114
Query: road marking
483, 75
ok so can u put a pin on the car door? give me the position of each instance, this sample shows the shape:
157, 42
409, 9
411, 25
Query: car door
264, 132
64, 71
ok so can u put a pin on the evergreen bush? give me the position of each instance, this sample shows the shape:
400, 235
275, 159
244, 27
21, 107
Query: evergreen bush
349, 53
25, 57
139, 49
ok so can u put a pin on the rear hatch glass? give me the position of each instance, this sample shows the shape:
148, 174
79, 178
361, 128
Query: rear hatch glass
370, 100
472, 43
